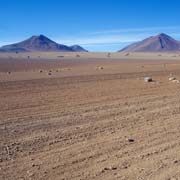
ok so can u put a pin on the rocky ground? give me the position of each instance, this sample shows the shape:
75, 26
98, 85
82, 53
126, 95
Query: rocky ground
97, 126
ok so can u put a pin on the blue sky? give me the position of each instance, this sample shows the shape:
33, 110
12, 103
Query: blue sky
98, 25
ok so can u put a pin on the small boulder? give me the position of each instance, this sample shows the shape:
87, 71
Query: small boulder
148, 79
172, 78
131, 140
100, 68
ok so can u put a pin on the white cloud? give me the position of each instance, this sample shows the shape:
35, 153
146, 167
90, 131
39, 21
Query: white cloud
118, 36
98, 40
138, 30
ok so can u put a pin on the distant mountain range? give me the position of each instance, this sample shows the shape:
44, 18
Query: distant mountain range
40, 43
159, 43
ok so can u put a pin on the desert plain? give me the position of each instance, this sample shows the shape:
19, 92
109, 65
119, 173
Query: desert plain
85, 116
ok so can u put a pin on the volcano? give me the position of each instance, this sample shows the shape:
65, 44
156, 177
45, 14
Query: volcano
39, 43
159, 43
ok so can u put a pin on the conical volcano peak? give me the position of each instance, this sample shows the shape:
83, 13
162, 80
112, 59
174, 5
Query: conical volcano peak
40, 43
163, 35
159, 43
40, 38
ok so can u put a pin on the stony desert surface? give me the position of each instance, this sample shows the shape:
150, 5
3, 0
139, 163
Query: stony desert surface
86, 116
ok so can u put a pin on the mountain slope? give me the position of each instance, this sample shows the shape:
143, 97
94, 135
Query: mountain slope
78, 48
159, 43
38, 43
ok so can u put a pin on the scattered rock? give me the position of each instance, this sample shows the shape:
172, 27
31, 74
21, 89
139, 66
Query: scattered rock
125, 167
113, 168
176, 161
100, 68
148, 79
33, 165
131, 140
31, 159
172, 78
106, 168
109, 168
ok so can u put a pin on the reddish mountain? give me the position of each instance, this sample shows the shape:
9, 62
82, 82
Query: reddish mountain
159, 43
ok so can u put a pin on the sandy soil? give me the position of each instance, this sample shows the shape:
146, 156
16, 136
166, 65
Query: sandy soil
84, 122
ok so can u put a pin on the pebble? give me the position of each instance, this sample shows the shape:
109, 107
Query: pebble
131, 140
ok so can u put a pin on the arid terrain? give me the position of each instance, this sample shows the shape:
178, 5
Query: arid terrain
85, 116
